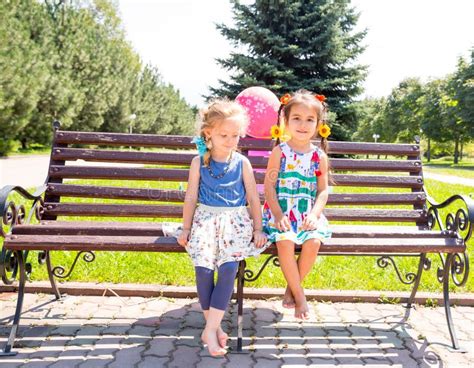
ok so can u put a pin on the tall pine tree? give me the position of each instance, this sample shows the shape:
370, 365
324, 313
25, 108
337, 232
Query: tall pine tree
293, 44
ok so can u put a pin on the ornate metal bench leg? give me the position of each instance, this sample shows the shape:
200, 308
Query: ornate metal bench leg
54, 285
7, 351
447, 306
240, 302
421, 267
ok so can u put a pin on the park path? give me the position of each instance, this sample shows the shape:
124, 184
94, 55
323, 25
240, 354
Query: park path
450, 179
30, 171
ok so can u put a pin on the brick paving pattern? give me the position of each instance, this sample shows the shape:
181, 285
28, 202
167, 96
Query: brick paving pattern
138, 332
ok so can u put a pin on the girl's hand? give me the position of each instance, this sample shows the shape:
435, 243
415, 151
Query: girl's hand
310, 222
283, 223
259, 238
183, 237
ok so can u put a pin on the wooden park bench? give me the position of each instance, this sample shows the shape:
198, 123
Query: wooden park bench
168, 162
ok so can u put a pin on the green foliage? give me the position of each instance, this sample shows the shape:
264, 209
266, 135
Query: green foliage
22, 69
293, 45
441, 111
69, 60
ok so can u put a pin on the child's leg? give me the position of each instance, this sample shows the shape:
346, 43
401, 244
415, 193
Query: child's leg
222, 337
205, 286
219, 302
289, 267
309, 252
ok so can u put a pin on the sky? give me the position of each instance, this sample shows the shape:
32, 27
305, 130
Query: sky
406, 38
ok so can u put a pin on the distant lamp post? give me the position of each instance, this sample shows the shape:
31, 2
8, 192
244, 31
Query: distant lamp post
376, 136
132, 118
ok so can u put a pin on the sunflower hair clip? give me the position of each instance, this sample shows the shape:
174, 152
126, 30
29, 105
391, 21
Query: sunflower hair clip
324, 130
276, 132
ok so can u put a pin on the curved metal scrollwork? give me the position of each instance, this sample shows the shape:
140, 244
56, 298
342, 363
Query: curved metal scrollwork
60, 271
8, 266
249, 274
410, 277
16, 215
459, 268
460, 222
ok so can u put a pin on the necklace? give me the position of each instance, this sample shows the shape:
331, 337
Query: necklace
221, 175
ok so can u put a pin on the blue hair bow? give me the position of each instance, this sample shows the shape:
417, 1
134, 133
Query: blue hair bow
200, 144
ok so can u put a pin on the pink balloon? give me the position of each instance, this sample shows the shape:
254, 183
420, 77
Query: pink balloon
262, 107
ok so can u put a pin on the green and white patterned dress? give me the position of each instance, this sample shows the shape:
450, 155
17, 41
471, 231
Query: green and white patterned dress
296, 189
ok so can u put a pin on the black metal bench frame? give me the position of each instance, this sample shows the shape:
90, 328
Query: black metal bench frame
449, 242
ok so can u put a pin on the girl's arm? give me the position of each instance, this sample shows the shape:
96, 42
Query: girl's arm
271, 176
254, 202
311, 221
190, 200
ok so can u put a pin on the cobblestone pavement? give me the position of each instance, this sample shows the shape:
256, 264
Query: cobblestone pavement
160, 332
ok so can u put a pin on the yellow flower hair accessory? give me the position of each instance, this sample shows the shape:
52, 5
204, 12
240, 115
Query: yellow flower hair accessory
324, 130
276, 132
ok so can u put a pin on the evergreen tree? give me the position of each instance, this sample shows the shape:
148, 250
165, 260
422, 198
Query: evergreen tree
291, 45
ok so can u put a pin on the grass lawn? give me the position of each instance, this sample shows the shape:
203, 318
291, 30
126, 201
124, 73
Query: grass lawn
335, 272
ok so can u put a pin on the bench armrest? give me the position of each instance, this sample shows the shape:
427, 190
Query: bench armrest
13, 214
461, 221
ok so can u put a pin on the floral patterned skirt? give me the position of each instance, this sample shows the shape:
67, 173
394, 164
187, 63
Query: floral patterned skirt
220, 235
296, 234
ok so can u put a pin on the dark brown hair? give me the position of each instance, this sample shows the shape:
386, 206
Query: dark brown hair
307, 98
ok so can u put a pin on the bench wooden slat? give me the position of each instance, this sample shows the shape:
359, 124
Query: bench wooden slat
179, 158
170, 141
415, 182
94, 191
181, 175
376, 198
412, 166
153, 243
176, 211
96, 155
156, 229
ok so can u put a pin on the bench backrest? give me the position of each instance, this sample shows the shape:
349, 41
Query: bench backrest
397, 174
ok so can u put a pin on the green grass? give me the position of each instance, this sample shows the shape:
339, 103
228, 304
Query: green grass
337, 272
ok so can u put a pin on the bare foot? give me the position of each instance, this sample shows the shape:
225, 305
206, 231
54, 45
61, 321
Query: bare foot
288, 300
302, 310
210, 338
222, 337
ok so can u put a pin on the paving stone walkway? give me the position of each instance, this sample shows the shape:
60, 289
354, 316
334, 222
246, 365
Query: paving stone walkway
112, 332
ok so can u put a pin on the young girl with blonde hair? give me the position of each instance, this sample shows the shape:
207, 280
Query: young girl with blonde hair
217, 228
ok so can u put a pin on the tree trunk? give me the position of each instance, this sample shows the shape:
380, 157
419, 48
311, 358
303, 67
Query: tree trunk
461, 151
24, 144
428, 151
456, 150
